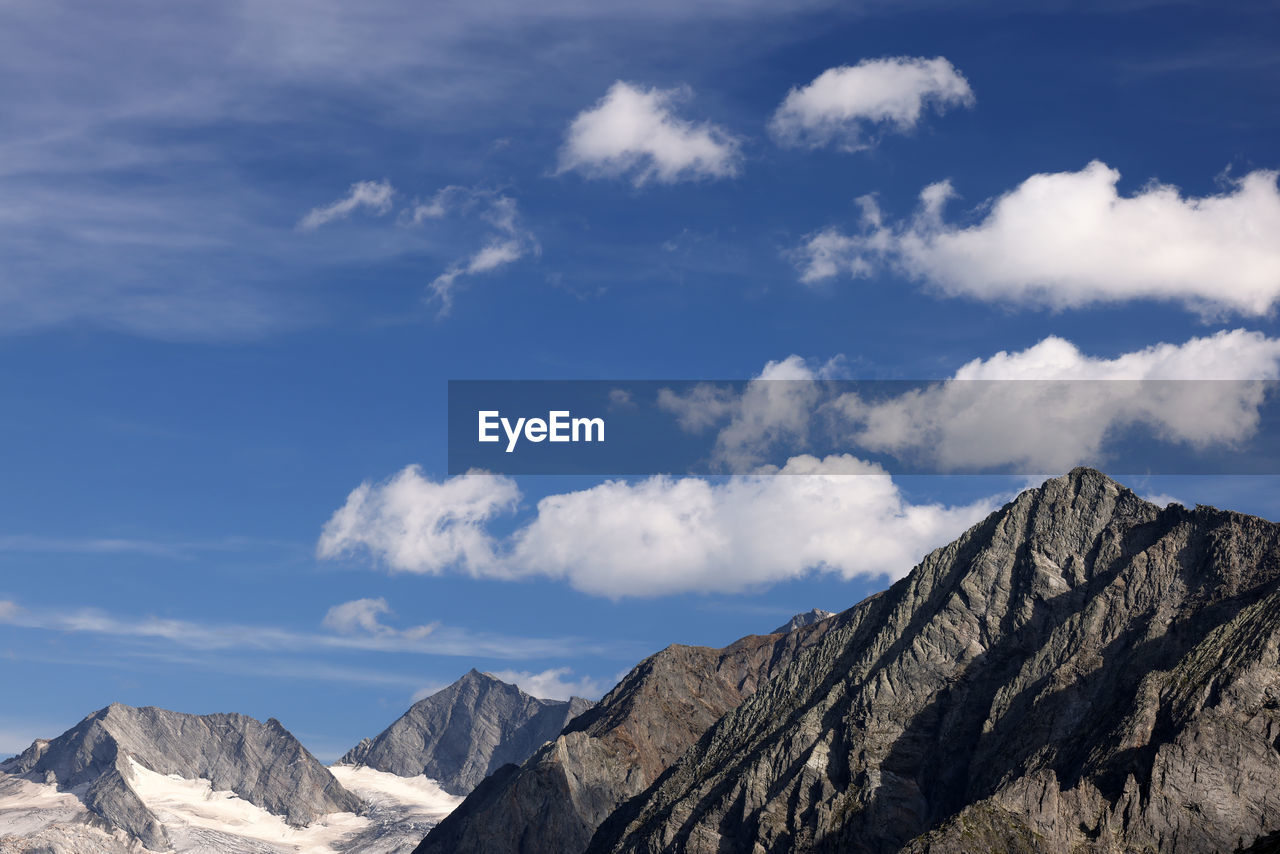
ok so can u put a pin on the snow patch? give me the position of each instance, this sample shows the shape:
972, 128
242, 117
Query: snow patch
27, 807
188, 807
380, 788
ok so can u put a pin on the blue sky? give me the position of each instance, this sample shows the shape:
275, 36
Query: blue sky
207, 351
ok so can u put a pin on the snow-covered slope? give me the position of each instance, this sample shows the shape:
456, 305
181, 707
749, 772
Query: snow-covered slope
64, 796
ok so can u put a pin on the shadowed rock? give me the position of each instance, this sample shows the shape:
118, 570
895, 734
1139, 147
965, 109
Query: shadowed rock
557, 798
1082, 671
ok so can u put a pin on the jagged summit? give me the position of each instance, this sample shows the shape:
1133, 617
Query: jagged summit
1082, 670
461, 734
799, 621
260, 762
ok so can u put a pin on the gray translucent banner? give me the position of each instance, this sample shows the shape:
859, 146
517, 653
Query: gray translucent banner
646, 427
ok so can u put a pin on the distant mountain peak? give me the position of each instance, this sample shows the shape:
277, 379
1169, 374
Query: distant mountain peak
262, 763
799, 621
463, 732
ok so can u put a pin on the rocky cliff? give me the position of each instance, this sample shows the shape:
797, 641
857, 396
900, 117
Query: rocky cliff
1082, 671
557, 798
461, 734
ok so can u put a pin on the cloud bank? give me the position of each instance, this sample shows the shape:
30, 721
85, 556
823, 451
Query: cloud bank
1046, 408
657, 535
634, 132
1069, 239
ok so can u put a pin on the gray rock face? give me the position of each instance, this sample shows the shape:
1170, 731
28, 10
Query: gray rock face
260, 762
799, 621
557, 798
460, 735
1083, 671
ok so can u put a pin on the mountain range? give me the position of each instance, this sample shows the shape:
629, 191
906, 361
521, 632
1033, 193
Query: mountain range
1081, 671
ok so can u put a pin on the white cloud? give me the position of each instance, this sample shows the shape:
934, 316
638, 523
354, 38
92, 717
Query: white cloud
509, 241
362, 616
773, 409
1045, 409
661, 535
664, 535
417, 525
372, 195
1069, 239
633, 131
552, 684
994, 412
354, 626
842, 104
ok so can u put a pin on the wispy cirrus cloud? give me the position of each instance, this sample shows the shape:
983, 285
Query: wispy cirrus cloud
363, 616
508, 240
351, 630
373, 196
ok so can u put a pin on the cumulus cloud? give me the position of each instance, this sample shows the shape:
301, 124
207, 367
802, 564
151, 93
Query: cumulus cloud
1045, 408
553, 684
415, 524
633, 131
844, 105
1050, 407
374, 196
1069, 239
662, 535
666, 535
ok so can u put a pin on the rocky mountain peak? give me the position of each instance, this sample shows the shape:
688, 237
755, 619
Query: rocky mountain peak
260, 762
1082, 670
799, 621
462, 733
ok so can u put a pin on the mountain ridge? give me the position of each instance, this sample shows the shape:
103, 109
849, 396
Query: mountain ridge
1031, 686
555, 800
261, 762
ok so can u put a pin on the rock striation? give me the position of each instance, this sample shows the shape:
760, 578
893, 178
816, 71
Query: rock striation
260, 762
460, 735
1082, 671
560, 795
